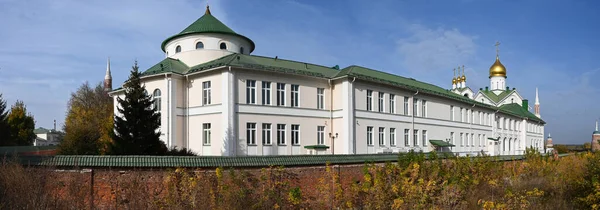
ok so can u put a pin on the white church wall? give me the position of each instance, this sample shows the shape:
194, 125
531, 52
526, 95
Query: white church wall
196, 93
211, 51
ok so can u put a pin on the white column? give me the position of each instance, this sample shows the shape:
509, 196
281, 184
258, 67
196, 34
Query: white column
349, 146
229, 119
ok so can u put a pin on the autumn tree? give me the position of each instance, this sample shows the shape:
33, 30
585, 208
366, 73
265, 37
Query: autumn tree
21, 125
4, 127
136, 128
89, 122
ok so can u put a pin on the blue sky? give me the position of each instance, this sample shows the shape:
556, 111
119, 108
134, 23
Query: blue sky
49, 48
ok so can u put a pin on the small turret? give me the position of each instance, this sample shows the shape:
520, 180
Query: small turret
108, 78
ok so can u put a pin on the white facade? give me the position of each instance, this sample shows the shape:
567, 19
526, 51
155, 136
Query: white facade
239, 111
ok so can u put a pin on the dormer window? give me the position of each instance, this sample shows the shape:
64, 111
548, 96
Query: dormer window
223, 46
178, 49
199, 45
241, 50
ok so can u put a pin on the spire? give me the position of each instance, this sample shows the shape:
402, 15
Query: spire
207, 10
497, 50
108, 74
108, 77
596, 125
537, 99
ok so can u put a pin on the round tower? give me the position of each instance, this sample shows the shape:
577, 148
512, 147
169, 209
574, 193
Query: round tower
205, 40
596, 139
497, 73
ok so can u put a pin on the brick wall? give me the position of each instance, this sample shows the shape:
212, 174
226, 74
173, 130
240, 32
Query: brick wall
139, 188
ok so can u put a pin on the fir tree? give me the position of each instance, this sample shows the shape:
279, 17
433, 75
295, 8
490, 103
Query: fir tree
4, 127
136, 128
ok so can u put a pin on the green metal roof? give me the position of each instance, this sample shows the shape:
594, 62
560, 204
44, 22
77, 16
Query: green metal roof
251, 62
215, 161
596, 132
496, 98
207, 24
21, 149
316, 147
494, 139
517, 110
168, 65
441, 143
41, 130
407, 83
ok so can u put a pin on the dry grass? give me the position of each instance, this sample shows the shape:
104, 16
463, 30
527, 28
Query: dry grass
458, 183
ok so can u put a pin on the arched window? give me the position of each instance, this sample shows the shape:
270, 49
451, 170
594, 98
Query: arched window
241, 50
178, 49
223, 46
199, 45
156, 100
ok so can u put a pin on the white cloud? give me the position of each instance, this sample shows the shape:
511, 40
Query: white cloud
431, 50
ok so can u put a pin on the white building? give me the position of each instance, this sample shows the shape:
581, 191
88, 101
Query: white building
47, 137
215, 98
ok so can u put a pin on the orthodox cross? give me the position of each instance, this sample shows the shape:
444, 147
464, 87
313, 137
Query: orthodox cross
497, 49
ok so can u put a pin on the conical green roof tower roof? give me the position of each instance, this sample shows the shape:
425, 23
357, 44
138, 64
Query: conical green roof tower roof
207, 24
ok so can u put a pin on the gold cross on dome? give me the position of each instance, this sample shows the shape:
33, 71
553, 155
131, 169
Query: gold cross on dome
497, 49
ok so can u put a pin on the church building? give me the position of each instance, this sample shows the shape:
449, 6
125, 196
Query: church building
218, 99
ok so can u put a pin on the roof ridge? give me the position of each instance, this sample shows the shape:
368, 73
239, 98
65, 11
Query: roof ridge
264, 56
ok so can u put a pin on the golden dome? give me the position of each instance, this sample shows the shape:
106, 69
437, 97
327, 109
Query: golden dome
463, 78
497, 69
454, 80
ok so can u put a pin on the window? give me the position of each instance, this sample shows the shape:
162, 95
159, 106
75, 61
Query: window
206, 133
281, 134
480, 141
452, 137
223, 46
406, 137
241, 50
178, 49
266, 134
424, 135
369, 100
472, 116
423, 108
405, 105
320, 98
467, 115
452, 113
251, 91
369, 136
251, 133
206, 93
199, 45
156, 102
462, 117
280, 94
472, 139
416, 137
295, 134
480, 117
392, 103
266, 93
381, 136
380, 101
321, 135
415, 106
462, 140
295, 95
392, 137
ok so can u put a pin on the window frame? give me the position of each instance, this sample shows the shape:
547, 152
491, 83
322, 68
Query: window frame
392, 99
320, 98
267, 134
424, 137
206, 93
266, 93
381, 136
251, 134
381, 101
281, 134
295, 131
206, 134
320, 135
280, 94
392, 137
250, 91
295, 97
221, 46
369, 100
201, 47
370, 136
407, 137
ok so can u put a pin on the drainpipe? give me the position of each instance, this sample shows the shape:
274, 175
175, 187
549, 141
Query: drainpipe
168, 110
187, 112
331, 117
413, 116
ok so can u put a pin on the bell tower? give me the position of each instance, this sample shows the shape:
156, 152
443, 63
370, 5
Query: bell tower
108, 78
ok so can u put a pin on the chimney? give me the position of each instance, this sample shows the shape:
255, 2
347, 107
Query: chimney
526, 104
486, 88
